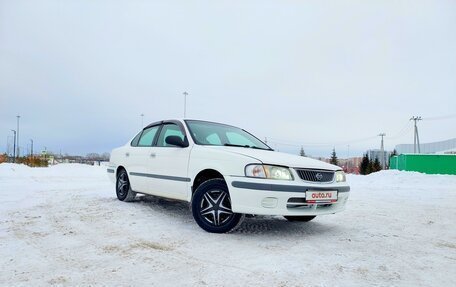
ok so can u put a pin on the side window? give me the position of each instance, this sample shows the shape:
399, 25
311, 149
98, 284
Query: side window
169, 130
148, 136
237, 139
213, 139
135, 141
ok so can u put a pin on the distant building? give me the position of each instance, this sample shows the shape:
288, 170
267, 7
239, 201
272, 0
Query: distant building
441, 147
350, 165
377, 154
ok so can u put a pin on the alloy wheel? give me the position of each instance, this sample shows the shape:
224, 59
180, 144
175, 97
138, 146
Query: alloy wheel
215, 207
123, 185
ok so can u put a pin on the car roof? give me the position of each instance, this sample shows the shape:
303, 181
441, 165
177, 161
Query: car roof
182, 120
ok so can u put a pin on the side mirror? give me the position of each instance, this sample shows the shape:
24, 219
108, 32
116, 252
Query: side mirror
176, 141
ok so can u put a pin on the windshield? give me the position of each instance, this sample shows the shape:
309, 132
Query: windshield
207, 133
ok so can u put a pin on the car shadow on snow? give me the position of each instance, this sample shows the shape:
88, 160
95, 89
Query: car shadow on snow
281, 227
252, 225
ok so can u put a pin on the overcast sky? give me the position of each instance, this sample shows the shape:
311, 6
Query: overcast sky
312, 73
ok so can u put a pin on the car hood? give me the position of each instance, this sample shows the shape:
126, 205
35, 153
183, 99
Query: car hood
279, 158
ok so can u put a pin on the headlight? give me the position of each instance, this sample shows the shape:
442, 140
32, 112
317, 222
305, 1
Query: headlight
340, 176
268, 171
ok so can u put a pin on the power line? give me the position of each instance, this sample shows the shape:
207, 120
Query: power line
309, 144
403, 131
439, 117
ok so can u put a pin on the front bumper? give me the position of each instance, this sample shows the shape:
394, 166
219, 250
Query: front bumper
272, 197
111, 170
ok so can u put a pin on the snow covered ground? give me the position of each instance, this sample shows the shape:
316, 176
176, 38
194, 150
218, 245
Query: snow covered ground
64, 226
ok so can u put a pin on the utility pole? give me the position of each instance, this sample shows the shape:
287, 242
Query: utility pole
14, 146
416, 139
185, 103
382, 148
17, 145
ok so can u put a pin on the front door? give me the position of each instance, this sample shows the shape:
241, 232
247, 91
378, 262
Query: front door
169, 165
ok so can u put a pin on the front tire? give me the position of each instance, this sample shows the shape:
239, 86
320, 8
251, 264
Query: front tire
211, 207
300, 218
123, 187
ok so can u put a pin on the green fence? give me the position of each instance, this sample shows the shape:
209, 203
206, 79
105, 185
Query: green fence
426, 163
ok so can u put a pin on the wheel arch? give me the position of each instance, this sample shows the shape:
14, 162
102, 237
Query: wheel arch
120, 167
203, 176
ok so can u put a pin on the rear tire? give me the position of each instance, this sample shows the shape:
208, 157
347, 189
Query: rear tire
300, 218
123, 187
211, 207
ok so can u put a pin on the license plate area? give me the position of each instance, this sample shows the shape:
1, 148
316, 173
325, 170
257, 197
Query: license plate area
321, 196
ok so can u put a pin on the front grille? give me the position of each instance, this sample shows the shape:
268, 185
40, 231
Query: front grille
301, 203
316, 175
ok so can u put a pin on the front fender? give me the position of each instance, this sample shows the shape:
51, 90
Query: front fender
226, 163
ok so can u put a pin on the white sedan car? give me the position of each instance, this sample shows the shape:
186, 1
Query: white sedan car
224, 172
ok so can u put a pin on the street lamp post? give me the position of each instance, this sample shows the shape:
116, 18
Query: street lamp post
185, 103
31, 148
31, 153
14, 146
382, 149
17, 145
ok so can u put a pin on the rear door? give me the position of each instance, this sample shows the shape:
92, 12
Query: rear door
139, 157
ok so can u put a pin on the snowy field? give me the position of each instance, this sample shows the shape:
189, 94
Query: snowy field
64, 226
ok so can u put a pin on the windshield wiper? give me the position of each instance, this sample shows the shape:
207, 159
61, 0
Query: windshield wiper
255, 147
236, 145
246, 146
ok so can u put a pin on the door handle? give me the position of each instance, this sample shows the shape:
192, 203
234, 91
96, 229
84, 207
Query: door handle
127, 154
153, 155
